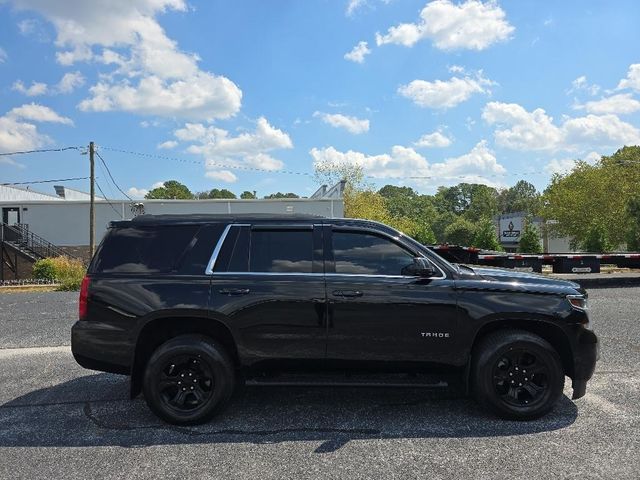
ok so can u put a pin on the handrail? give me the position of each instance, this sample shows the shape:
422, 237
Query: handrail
31, 242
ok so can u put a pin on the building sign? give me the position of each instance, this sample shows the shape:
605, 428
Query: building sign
510, 229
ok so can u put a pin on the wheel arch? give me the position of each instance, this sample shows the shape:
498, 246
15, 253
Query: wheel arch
158, 330
547, 330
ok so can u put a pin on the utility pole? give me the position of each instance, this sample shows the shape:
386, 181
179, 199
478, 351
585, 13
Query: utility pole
92, 206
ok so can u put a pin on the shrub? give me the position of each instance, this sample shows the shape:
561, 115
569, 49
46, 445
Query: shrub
486, 236
530, 239
67, 272
44, 269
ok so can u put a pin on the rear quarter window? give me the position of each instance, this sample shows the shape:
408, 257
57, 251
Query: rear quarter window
145, 249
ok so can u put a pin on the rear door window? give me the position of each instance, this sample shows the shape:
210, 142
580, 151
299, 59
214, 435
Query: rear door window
144, 249
281, 251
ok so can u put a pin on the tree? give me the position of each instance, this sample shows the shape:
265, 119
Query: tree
529, 239
474, 200
596, 240
591, 202
247, 195
171, 189
282, 195
486, 235
460, 232
633, 235
217, 194
440, 224
522, 197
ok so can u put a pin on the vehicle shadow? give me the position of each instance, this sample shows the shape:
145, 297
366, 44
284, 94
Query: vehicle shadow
94, 410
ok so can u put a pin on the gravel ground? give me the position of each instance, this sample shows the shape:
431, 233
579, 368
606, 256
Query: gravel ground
60, 421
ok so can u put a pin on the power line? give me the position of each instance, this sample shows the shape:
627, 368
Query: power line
107, 199
46, 181
43, 150
111, 176
309, 174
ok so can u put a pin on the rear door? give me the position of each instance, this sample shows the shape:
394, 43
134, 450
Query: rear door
376, 312
268, 283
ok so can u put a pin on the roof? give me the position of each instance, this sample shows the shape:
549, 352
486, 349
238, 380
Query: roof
215, 218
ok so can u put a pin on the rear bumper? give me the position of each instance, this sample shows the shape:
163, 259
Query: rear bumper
102, 347
587, 353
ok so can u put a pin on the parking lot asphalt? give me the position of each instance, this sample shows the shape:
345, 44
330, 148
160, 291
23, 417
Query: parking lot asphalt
58, 420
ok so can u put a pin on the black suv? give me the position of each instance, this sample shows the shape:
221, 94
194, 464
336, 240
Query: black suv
192, 306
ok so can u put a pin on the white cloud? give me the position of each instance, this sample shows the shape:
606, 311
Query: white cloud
581, 84
358, 53
152, 75
620, 103
247, 150
433, 140
472, 25
169, 144
223, 175
632, 79
36, 88
69, 82
137, 193
564, 165
522, 130
407, 164
3, 55
351, 124
38, 113
17, 132
443, 94
354, 5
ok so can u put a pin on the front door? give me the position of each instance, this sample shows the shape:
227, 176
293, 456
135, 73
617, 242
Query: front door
376, 313
11, 215
269, 285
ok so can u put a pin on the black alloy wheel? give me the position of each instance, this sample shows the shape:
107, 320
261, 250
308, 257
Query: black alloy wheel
516, 374
188, 379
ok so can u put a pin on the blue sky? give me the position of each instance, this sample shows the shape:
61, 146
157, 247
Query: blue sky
441, 92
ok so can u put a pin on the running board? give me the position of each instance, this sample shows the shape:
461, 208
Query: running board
369, 381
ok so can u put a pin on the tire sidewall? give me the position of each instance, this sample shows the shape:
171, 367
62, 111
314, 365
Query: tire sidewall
208, 352
483, 375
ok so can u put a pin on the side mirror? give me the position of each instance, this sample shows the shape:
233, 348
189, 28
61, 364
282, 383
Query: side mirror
421, 267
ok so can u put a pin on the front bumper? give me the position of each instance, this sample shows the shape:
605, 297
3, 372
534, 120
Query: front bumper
98, 346
586, 354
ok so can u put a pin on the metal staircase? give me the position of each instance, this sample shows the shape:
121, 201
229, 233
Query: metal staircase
17, 241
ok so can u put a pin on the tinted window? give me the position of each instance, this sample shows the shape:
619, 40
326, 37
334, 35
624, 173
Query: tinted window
199, 251
284, 251
144, 249
363, 253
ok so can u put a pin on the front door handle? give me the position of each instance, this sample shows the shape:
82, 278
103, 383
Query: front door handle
234, 291
347, 293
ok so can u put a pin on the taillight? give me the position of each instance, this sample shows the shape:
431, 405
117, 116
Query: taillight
82, 302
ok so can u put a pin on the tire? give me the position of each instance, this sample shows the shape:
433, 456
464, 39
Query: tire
500, 380
188, 380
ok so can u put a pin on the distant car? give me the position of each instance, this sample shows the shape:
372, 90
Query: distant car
191, 306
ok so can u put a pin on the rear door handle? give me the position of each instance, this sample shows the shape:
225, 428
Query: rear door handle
347, 293
234, 291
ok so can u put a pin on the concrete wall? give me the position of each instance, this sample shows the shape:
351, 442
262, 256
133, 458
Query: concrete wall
66, 223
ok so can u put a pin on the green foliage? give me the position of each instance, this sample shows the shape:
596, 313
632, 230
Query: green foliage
67, 272
44, 269
591, 203
247, 195
171, 189
486, 236
596, 240
216, 194
282, 195
440, 224
460, 232
522, 197
529, 239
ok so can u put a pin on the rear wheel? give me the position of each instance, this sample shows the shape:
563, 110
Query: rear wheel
188, 379
516, 374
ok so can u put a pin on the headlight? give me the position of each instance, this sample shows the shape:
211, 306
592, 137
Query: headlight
578, 301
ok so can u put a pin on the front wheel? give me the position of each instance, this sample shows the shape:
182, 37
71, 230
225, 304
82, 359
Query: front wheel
516, 374
188, 379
